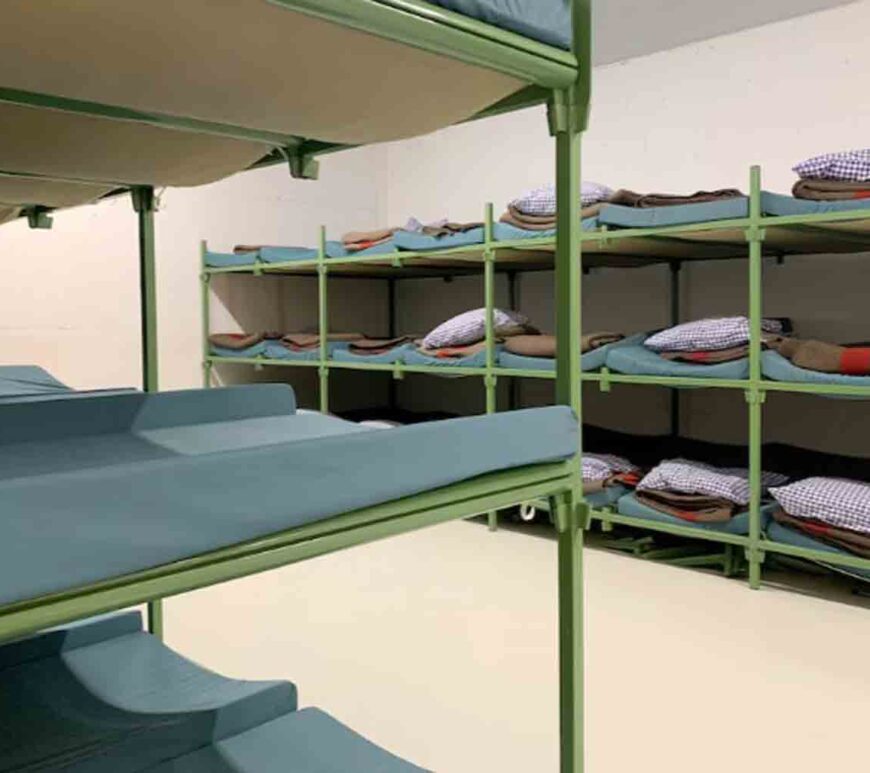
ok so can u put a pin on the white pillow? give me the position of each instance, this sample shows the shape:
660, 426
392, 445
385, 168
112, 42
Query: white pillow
470, 327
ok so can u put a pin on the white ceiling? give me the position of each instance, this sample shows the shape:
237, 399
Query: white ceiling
629, 28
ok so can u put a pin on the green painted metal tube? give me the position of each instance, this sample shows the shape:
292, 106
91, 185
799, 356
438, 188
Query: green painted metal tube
675, 271
443, 32
205, 296
754, 395
323, 320
489, 380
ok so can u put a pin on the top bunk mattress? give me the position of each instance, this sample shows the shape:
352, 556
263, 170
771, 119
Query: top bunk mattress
547, 21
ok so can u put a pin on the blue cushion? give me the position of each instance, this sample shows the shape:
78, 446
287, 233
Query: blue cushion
125, 502
739, 524
776, 532
779, 368
256, 350
682, 214
275, 350
394, 355
778, 204
637, 360
409, 240
412, 356
547, 21
230, 259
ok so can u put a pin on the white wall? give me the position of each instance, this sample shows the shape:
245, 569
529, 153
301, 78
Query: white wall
690, 118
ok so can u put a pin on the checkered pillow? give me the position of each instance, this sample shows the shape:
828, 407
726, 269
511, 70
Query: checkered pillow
604, 466
686, 477
706, 335
850, 166
542, 201
842, 503
470, 327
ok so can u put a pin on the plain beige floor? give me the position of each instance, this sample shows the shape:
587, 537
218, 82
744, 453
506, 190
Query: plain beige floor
441, 645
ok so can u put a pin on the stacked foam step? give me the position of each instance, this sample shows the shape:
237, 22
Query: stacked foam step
106, 697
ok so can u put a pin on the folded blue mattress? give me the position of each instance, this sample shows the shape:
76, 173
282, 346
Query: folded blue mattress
394, 355
778, 204
682, 214
637, 360
776, 532
778, 368
103, 696
257, 350
413, 356
547, 21
739, 524
98, 488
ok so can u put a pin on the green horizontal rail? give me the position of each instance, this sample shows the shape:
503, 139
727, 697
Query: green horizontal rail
454, 502
605, 516
455, 36
822, 556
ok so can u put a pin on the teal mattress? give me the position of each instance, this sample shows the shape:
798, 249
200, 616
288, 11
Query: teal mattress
608, 496
257, 350
776, 532
778, 204
637, 360
393, 356
594, 360
547, 21
635, 217
778, 368
276, 351
414, 357
334, 249
27, 380
739, 524
103, 696
97, 488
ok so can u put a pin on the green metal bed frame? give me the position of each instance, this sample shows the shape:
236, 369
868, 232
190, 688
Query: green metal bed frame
609, 247
563, 80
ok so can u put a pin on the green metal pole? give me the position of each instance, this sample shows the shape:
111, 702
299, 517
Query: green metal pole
205, 292
754, 394
513, 282
489, 379
143, 204
675, 268
323, 321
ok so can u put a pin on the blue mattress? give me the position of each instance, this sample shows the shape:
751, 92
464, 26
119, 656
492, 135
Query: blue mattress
396, 354
27, 380
105, 697
274, 350
98, 488
683, 214
637, 360
778, 368
256, 350
776, 532
739, 524
608, 496
334, 249
503, 232
778, 204
414, 357
547, 21
594, 360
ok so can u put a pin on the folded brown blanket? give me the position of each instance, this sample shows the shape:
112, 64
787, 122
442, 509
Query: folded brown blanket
235, 341
710, 357
527, 222
241, 249
303, 342
377, 345
825, 357
644, 200
831, 190
377, 235
449, 228
698, 508
545, 345
853, 541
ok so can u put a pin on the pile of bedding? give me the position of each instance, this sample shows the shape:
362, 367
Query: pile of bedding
833, 511
535, 210
841, 176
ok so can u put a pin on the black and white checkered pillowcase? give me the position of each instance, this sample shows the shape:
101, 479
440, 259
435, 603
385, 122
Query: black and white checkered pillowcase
470, 327
688, 477
706, 335
839, 502
848, 166
603, 466
542, 201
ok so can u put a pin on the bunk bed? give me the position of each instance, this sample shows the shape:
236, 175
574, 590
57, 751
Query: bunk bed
752, 228
116, 498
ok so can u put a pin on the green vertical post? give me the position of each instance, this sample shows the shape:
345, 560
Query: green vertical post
675, 268
393, 398
323, 321
755, 394
489, 380
513, 284
205, 295
143, 204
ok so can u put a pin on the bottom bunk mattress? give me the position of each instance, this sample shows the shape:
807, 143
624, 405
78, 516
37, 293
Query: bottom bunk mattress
104, 696
637, 360
97, 488
776, 532
739, 524
778, 368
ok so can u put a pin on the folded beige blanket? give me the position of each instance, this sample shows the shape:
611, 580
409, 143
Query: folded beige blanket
377, 345
689, 507
831, 190
824, 357
628, 198
527, 222
235, 341
545, 345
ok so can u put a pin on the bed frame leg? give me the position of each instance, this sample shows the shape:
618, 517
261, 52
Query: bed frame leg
155, 618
